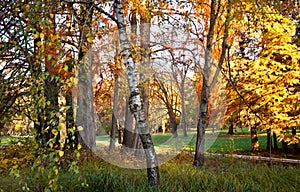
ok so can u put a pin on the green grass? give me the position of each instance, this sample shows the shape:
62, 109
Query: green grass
221, 141
4, 140
219, 174
218, 142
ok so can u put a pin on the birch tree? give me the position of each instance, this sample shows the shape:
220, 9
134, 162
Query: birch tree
136, 104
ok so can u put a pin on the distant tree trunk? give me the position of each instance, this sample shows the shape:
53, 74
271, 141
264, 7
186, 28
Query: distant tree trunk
136, 104
269, 140
120, 134
275, 141
284, 147
295, 145
183, 111
230, 129
254, 138
145, 19
114, 118
172, 120
127, 135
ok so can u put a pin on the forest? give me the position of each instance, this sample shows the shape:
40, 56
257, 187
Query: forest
140, 95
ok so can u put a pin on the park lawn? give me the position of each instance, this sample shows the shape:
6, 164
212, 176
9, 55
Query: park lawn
219, 142
218, 174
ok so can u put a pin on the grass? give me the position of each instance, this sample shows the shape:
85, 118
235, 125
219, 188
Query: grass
219, 142
219, 174
4, 140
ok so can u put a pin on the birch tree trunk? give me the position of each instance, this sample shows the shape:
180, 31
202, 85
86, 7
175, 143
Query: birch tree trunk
136, 104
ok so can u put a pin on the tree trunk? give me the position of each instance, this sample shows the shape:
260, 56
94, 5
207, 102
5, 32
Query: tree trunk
201, 125
295, 145
51, 112
137, 143
85, 119
230, 129
254, 138
275, 141
127, 136
51, 91
183, 111
203, 108
85, 112
269, 140
173, 123
136, 104
114, 116
72, 134
284, 147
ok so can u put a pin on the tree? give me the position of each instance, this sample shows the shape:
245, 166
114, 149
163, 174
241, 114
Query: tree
206, 73
166, 94
16, 56
136, 105
265, 69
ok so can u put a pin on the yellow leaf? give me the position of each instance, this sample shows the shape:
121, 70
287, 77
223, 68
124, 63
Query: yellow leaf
42, 35
27, 7
60, 153
35, 36
89, 40
56, 171
18, 126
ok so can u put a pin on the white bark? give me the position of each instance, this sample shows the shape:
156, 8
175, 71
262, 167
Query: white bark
135, 98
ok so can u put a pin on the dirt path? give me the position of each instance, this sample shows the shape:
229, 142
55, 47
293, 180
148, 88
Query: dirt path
258, 158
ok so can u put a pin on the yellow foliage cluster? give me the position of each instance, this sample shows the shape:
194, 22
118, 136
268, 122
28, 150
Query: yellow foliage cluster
268, 72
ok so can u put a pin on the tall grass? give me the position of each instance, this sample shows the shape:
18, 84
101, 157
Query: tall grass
219, 174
